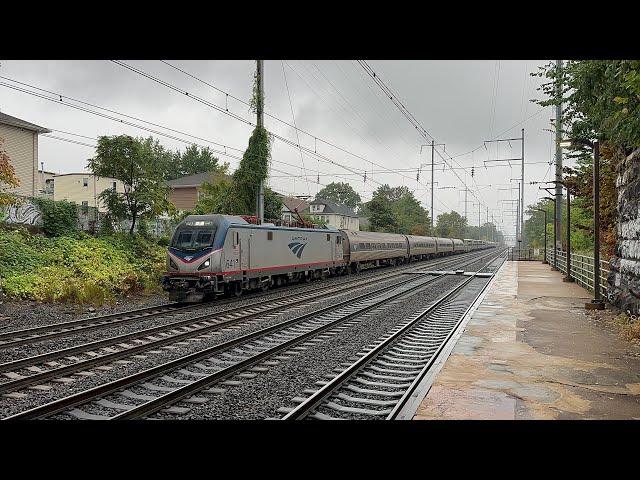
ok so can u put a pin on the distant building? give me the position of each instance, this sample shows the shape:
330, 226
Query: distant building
186, 191
290, 205
21, 143
46, 183
82, 188
334, 214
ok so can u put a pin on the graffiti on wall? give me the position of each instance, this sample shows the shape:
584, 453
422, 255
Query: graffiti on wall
24, 212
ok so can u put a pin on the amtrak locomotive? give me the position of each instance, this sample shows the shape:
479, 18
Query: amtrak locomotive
212, 255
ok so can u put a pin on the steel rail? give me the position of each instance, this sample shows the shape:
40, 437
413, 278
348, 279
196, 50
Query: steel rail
325, 392
80, 326
71, 401
39, 359
20, 383
404, 400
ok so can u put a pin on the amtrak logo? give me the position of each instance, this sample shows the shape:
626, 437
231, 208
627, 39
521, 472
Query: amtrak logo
188, 259
297, 248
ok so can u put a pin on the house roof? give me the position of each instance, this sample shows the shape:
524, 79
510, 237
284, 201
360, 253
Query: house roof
193, 180
16, 122
333, 207
293, 203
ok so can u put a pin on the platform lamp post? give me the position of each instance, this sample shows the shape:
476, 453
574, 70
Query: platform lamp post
555, 251
545, 233
596, 303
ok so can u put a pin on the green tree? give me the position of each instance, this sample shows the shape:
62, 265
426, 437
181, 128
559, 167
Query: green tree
341, 192
451, 225
601, 101
396, 210
192, 161
133, 161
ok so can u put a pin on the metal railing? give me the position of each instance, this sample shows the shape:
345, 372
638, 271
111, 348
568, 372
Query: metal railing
519, 254
581, 269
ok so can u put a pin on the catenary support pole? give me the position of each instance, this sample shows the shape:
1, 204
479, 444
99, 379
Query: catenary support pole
260, 123
558, 122
596, 303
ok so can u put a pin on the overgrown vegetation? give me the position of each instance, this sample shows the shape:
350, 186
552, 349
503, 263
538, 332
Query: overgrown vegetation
601, 101
58, 218
79, 268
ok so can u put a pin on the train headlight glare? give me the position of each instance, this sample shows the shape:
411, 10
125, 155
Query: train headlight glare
205, 264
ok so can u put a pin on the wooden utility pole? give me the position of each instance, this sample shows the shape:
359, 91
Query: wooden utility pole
260, 123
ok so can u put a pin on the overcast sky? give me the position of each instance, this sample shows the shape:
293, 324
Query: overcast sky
460, 103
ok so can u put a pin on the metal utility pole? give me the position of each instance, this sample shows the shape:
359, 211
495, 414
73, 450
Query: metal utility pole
518, 232
522, 197
433, 148
260, 123
558, 122
596, 303
466, 217
568, 278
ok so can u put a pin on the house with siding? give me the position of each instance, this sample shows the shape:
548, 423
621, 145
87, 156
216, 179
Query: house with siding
184, 192
291, 205
334, 214
21, 143
83, 188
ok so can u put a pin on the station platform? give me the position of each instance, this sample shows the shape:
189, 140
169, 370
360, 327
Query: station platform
531, 351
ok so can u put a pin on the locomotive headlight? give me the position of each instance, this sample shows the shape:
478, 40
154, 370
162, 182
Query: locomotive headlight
205, 264
172, 264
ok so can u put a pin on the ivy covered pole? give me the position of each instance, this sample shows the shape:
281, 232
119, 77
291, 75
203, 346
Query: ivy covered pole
260, 123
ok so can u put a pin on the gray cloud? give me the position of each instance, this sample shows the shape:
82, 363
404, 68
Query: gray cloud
334, 100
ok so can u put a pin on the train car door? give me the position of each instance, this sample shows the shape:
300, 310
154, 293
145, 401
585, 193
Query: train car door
337, 249
242, 255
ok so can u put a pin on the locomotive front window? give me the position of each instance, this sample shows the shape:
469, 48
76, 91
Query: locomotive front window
191, 239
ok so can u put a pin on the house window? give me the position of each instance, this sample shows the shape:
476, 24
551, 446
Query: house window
114, 186
85, 206
328, 237
269, 235
85, 182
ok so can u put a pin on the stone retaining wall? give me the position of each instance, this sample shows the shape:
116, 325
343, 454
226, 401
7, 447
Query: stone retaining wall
624, 279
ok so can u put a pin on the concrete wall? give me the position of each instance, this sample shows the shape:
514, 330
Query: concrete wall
22, 147
624, 279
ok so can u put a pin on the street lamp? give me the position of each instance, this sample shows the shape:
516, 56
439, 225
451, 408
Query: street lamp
596, 303
555, 236
545, 232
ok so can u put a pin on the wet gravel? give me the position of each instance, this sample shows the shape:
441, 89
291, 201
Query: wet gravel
130, 365
122, 368
75, 339
79, 338
260, 397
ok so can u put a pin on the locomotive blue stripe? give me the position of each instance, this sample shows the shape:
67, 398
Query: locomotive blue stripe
192, 257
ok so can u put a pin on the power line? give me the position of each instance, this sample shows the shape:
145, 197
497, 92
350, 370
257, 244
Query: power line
412, 119
294, 124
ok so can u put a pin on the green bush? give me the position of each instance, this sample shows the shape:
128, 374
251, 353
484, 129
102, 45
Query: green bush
78, 269
58, 218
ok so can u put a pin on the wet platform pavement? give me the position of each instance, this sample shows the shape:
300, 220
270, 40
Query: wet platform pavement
531, 351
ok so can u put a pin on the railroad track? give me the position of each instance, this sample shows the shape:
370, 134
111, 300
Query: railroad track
382, 381
78, 360
31, 335
151, 390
